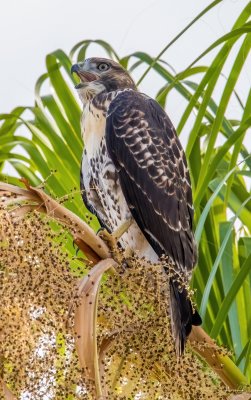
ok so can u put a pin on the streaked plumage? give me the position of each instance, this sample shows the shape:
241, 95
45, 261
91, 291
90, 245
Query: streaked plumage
134, 165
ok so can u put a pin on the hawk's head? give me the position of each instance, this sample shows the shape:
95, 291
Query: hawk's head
100, 75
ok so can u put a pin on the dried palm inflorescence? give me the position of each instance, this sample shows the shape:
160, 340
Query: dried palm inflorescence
36, 287
142, 362
64, 336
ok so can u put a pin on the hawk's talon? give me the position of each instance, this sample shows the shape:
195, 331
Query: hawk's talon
101, 229
108, 238
76, 248
112, 239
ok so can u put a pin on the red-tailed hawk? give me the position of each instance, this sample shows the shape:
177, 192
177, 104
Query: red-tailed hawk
134, 166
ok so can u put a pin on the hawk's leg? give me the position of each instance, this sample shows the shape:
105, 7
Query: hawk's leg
112, 238
122, 229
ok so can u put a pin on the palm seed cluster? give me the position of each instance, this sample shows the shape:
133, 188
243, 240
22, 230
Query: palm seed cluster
38, 359
142, 363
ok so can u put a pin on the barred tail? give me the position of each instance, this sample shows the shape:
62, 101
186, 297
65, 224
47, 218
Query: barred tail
182, 316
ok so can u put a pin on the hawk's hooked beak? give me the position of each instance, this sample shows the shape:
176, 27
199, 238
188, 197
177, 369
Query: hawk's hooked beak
85, 76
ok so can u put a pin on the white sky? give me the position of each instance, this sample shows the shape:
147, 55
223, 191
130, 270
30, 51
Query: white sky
29, 29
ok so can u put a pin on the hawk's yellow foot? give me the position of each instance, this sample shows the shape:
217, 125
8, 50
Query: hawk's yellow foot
112, 238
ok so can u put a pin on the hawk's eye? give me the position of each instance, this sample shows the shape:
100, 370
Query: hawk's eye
103, 67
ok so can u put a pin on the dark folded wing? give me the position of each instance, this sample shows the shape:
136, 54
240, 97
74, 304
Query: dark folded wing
153, 174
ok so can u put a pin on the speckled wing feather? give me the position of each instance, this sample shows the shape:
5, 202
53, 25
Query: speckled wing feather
152, 169
153, 174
